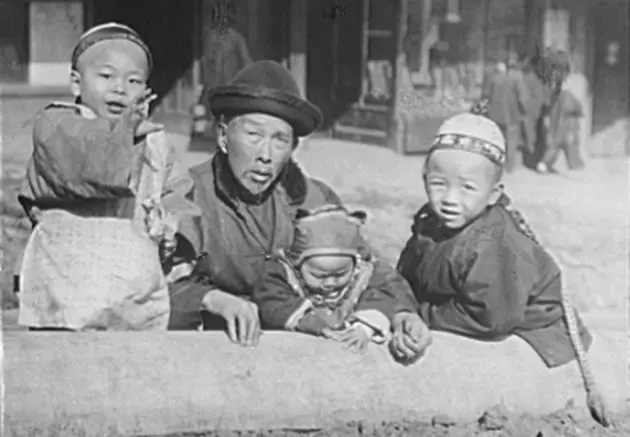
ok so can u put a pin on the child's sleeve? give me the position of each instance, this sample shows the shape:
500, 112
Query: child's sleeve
80, 157
177, 185
493, 297
279, 305
189, 241
389, 285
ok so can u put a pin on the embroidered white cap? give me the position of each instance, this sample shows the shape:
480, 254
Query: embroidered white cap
473, 133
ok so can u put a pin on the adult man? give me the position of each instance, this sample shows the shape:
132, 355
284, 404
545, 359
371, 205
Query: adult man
507, 102
249, 193
535, 105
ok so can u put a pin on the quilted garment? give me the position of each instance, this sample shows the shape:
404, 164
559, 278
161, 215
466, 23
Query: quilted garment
92, 273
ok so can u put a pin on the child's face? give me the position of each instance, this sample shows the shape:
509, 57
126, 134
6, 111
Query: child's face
460, 185
111, 76
327, 275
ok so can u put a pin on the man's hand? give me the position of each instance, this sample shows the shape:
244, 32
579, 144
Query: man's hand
355, 338
411, 338
241, 316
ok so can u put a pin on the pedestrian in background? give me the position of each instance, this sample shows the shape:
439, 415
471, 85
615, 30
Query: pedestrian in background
534, 110
563, 132
507, 104
563, 113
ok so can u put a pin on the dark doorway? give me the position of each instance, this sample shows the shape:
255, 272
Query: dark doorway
334, 56
610, 82
14, 41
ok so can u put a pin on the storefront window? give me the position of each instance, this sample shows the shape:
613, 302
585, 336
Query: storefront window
380, 39
449, 45
14, 41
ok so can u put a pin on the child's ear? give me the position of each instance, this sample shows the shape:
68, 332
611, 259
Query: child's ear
75, 83
497, 190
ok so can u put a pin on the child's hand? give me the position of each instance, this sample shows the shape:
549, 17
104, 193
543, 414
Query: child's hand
332, 318
140, 115
356, 338
168, 245
411, 338
312, 324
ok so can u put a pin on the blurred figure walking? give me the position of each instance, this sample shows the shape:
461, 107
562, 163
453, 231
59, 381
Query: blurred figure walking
507, 104
564, 132
531, 126
562, 119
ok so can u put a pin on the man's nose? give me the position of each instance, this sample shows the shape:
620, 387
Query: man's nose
264, 153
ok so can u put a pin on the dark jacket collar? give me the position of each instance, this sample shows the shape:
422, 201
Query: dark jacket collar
427, 223
291, 181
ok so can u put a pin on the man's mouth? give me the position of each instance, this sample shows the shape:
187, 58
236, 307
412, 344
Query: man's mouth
261, 176
115, 108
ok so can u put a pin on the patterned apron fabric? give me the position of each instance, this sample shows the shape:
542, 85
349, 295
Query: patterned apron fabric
92, 273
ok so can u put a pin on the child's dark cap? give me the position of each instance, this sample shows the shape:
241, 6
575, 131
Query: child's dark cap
107, 32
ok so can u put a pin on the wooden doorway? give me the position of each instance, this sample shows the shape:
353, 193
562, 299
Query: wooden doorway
610, 82
333, 67
14, 41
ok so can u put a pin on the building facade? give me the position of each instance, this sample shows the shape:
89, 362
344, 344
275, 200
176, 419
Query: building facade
351, 57
448, 49
36, 38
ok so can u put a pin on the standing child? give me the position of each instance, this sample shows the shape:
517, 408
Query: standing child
474, 264
102, 193
563, 134
325, 284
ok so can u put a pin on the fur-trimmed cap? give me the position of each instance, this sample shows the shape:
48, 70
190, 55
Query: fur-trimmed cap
329, 230
472, 133
267, 87
107, 32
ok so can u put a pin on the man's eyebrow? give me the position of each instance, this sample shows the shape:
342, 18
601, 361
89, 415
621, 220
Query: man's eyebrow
250, 121
283, 134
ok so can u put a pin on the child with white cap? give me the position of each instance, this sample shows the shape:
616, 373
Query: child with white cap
325, 283
101, 190
475, 265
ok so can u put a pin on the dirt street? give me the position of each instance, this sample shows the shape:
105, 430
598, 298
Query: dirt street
581, 218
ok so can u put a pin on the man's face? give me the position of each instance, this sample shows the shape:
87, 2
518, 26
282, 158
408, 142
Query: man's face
258, 146
111, 76
460, 185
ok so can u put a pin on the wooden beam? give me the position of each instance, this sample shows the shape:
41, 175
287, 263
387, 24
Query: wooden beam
397, 125
297, 42
170, 382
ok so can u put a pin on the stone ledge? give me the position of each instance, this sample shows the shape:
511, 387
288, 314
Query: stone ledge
150, 383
